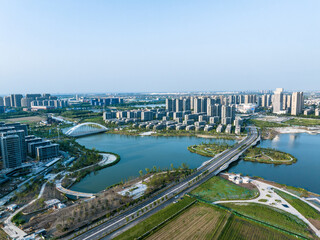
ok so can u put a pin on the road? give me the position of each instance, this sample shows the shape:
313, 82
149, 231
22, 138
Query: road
12, 230
119, 223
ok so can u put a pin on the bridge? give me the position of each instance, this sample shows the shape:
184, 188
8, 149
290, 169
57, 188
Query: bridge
88, 128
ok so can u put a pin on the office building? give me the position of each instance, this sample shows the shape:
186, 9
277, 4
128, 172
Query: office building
11, 151
47, 152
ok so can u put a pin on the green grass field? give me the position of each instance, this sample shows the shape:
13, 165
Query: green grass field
217, 188
238, 228
272, 216
264, 124
302, 207
154, 220
303, 122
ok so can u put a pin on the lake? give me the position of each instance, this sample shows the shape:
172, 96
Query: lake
138, 153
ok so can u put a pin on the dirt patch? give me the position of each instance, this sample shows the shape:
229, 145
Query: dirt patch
315, 223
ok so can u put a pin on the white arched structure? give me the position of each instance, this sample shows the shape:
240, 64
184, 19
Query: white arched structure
87, 128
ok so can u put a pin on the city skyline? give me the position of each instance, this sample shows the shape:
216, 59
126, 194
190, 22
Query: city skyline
164, 47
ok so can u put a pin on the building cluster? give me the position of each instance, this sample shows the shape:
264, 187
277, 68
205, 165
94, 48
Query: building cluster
238, 179
16, 145
287, 103
203, 113
32, 102
106, 101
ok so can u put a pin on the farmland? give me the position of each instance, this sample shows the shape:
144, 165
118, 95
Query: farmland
238, 228
151, 222
203, 221
198, 222
272, 216
217, 188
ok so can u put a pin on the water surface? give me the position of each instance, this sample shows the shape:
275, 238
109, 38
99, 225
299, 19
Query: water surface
138, 153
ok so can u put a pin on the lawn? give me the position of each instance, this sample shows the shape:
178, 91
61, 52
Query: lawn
198, 222
238, 228
302, 207
303, 122
272, 216
157, 218
217, 188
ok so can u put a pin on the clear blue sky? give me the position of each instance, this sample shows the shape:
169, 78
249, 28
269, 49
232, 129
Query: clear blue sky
146, 46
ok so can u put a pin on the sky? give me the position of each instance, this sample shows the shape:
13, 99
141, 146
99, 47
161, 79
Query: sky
78, 46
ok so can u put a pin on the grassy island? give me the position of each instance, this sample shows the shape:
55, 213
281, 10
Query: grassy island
268, 155
209, 149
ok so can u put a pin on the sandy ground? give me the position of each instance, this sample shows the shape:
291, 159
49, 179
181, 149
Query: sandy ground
310, 130
147, 133
107, 158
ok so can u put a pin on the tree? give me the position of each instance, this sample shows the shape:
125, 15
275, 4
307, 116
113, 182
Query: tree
141, 173
147, 170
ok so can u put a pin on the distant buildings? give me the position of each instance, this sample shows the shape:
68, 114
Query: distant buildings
32, 102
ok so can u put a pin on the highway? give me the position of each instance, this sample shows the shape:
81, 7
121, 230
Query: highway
217, 164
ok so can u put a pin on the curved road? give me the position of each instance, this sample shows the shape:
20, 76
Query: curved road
119, 223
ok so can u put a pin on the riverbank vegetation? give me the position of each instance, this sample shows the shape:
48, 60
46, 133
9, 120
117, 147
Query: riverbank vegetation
218, 188
209, 149
268, 155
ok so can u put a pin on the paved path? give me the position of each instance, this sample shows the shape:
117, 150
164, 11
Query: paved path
12, 230
273, 199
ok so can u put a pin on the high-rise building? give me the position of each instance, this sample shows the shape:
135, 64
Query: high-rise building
204, 105
186, 104
179, 105
297, 103
26, 102
169, 104
48, 151
277, 103
11, 151
1, 102
7, 101
197, 105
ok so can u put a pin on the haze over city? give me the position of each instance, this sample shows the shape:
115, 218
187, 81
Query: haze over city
143, 46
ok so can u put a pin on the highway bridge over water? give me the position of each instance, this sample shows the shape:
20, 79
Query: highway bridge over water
115, 225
